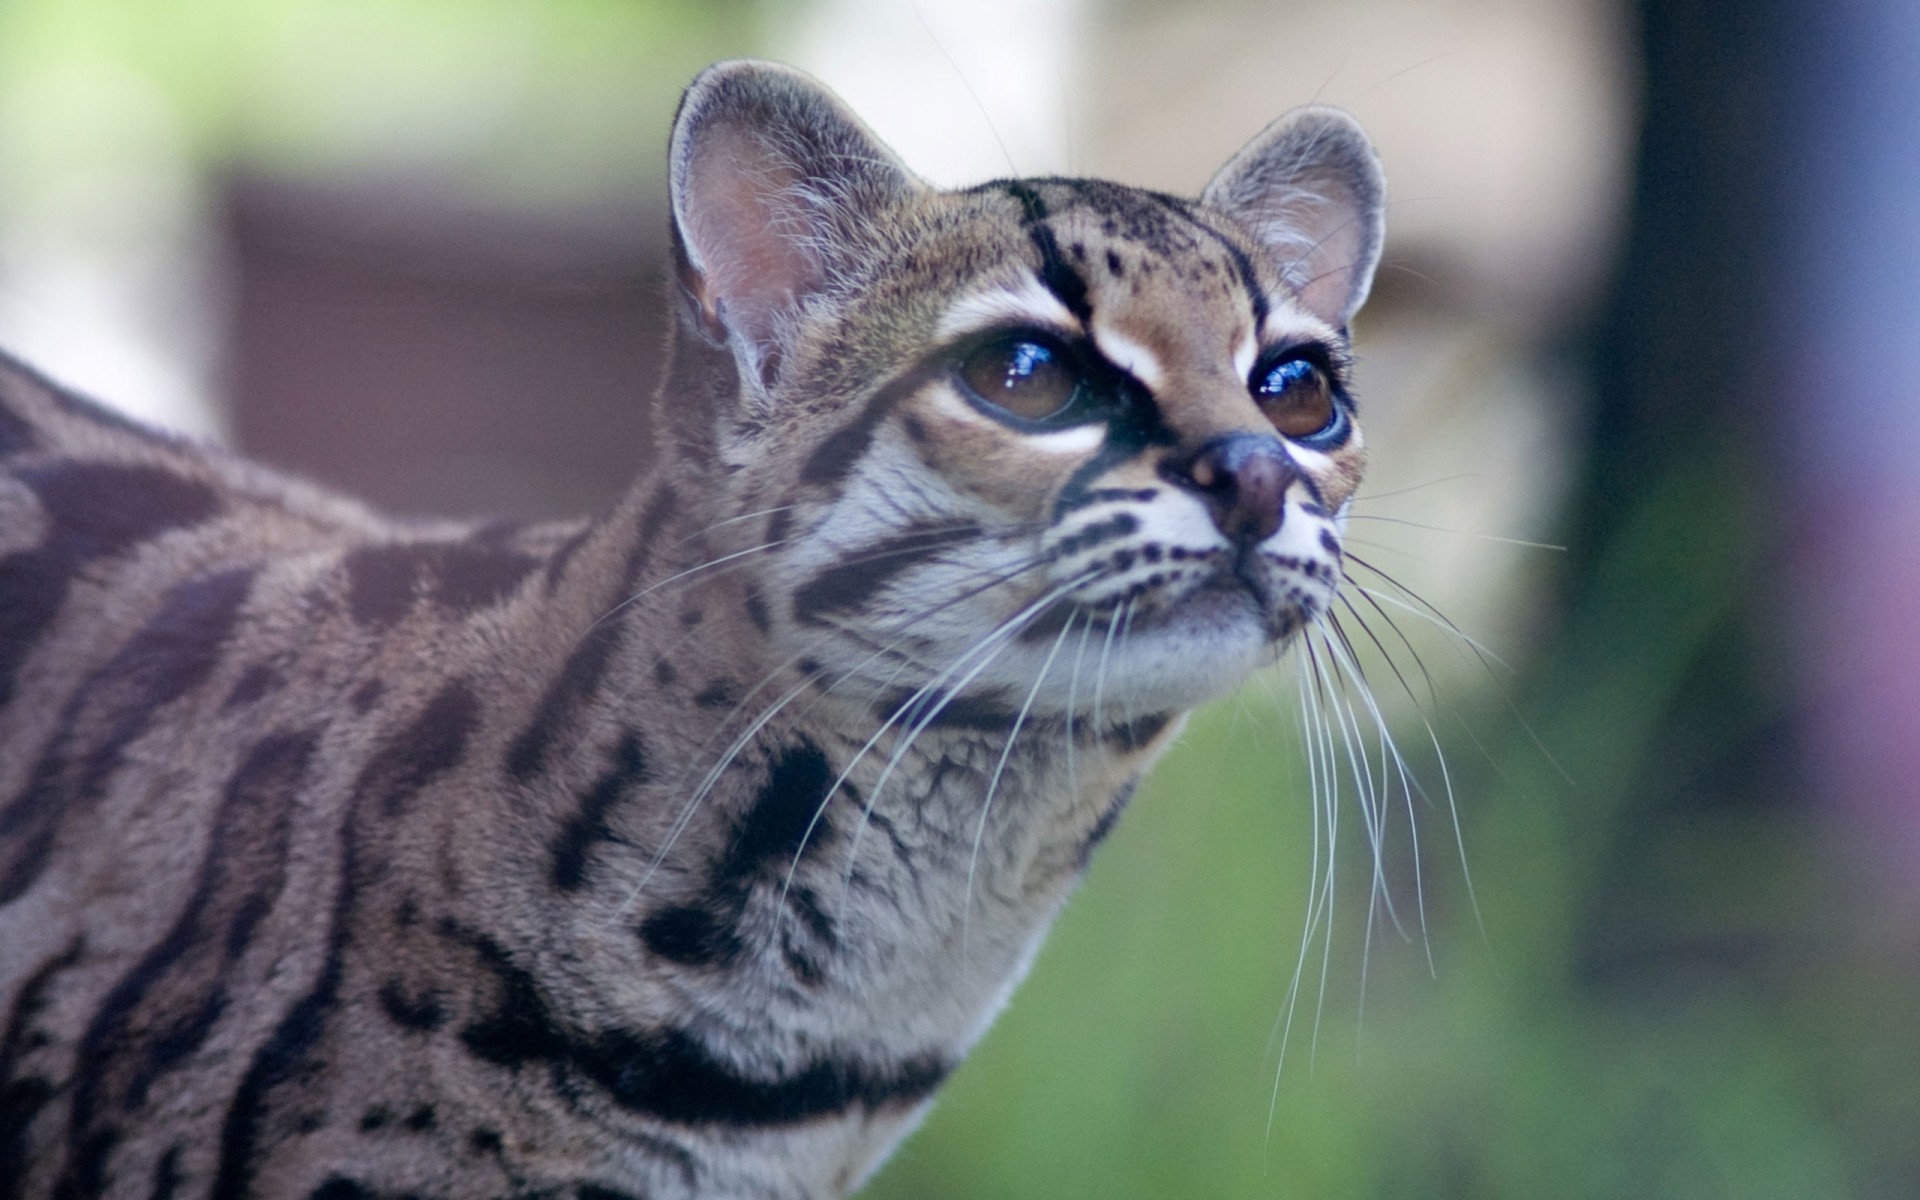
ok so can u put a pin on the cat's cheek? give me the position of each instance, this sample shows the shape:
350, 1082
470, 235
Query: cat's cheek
1006, 469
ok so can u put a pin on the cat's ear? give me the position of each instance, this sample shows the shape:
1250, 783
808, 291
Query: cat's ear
773, 181
1309, 186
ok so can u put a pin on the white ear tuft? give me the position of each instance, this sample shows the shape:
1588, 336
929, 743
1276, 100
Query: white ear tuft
1309, 186
773, 182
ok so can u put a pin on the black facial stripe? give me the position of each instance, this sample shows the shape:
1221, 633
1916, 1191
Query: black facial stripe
1242, 265
851, 582
1056, 276
833, 458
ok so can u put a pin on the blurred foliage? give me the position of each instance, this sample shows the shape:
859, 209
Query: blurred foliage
542, 99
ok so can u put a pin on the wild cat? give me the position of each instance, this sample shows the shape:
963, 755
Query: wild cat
684, 850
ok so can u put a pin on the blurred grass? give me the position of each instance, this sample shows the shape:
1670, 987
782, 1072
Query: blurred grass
1700, 1023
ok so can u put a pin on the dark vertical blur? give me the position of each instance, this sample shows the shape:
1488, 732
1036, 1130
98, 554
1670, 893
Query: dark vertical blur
1847, 397
1748, 525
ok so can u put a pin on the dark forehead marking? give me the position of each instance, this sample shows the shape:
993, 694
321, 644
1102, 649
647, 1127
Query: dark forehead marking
1056, 276
1242, 265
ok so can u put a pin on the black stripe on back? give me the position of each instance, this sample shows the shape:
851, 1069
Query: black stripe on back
93, 511
412, 759
164, 1009
668, 1074
177, 648
22, 1097
384, 581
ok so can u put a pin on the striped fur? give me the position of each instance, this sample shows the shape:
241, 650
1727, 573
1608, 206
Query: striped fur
682, 851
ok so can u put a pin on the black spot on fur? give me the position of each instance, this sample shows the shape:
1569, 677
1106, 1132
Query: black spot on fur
593, 1191
762, 847
1330, 543
93, 511
795, 792
257, 682
423, 1013
719, 693
578, 680
485, 1141
171, 655
1128, 736
422, 1118
692, 937
757, 610
340, 1188
663, 672
430, 746
376, 1118
367, 695
589, 825
851, 582
1114, 264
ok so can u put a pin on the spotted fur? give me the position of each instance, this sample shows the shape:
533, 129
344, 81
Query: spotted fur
682, 851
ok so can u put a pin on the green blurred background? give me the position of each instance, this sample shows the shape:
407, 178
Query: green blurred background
347, 236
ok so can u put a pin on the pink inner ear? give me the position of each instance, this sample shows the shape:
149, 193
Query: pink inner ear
746, 225
1326, 272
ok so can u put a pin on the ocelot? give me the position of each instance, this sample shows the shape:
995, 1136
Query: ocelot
684, 850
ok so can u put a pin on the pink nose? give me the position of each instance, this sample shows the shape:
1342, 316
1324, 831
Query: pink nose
1244, 479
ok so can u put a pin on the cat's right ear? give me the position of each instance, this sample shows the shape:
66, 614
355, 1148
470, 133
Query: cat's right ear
773, 183
1309, 187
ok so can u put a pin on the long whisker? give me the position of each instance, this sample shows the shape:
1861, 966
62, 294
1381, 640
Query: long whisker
993, 784
746, 736
1000, 635
1467, 533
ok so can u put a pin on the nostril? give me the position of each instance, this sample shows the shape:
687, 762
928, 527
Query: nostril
1244, 479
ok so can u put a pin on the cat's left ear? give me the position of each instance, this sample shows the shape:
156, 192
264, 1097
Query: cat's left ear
774, 183
1310, 188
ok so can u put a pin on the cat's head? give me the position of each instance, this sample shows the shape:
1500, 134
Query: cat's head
1032, 441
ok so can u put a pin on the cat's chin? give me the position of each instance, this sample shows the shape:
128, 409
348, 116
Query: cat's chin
1200, 650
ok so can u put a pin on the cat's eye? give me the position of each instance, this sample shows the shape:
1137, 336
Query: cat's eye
1297, 397
1024, 376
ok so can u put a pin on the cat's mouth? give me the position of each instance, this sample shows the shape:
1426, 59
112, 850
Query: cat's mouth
1259, 590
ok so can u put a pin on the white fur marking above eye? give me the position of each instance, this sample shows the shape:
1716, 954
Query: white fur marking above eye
1025, 303
1130, 356
1244, 355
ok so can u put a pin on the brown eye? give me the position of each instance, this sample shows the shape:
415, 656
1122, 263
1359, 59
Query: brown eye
1298, 398
1027, 378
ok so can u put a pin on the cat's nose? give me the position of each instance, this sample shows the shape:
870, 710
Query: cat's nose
1243, 477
